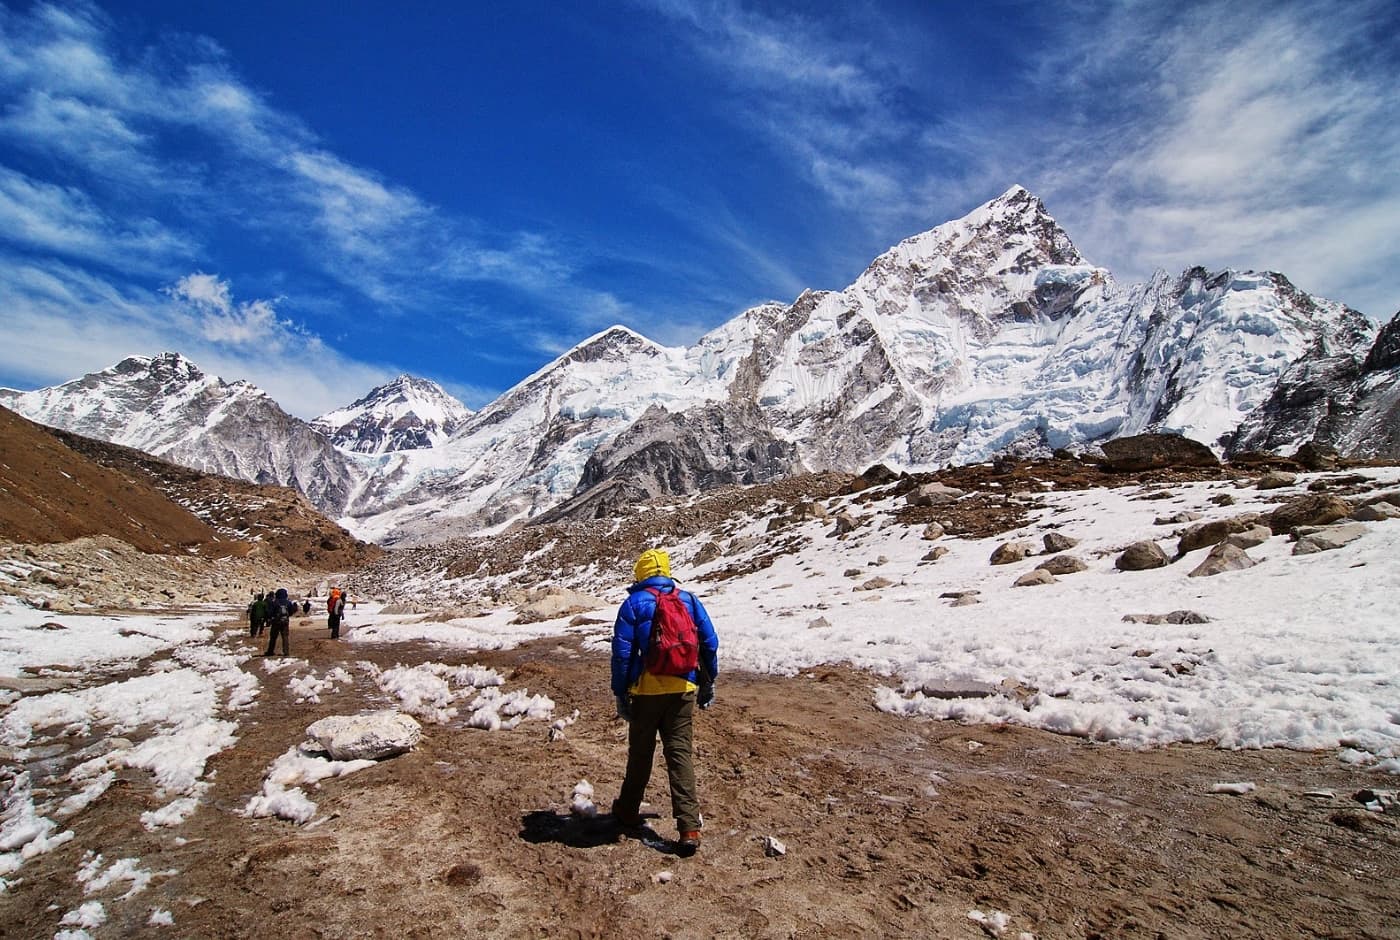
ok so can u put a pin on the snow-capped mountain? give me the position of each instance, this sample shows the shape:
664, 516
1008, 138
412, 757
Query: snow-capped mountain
167, 407
988, 334
406, 414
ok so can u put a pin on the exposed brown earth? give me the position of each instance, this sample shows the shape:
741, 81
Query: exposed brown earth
59, 486
893, 827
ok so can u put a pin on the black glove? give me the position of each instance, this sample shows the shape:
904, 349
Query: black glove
706, 696
624, 707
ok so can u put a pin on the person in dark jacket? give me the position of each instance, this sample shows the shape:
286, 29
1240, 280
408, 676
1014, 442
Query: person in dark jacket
279, 619
660, 704
257, 613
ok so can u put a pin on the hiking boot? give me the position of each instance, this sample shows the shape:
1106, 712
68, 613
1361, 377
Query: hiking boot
689, 843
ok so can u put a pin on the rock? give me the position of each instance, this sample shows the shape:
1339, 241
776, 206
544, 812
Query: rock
1062, 564
933, 494
1223, 499
808, 509
1008, 552
1325, 540
875, 584
935, 553
967, 600
820, 623
1376, 512
1056, 542
400, 607
845, 522
1033, 578
1176, 616
37, 685
1276, 479
553, 602
1314, 456
957, 594
933, 531
1313, 509
366, 737
1223, 557
1155, 452
773, 848
1252, 537
1141, 556
957, 688
1215, 532
853, 572
878, 475
1177, 518
708, 553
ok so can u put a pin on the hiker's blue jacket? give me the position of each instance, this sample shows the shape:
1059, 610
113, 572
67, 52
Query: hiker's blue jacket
632, 635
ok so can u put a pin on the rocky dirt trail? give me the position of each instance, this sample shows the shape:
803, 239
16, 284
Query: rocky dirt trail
893, 827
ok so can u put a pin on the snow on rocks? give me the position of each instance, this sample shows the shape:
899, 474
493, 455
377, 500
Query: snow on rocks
581, 800
374, 736
282, 794
1234, 789
308, 688
1327, 538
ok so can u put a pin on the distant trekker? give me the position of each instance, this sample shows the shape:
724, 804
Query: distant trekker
306, 607
335, 611
279, 618
257, 614
664, 663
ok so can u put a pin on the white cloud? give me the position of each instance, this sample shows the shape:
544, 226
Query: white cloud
45, 217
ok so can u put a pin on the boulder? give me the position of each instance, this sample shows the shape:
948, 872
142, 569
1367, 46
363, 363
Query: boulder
708, 553
1314, 456
1277, 479
1313, 509
1215, 532
1141, 556
933, 531
1177, 518
1008, 552
966, 600
1252, 537
1057, 542
1326, 539
1376, 512
1223, 499
875, 584
553, 602
374, 736
845, 522
935, 553
1176, 616
1062, 564
933, 494
1155, 452
878, 475
1223, 557
1033, 578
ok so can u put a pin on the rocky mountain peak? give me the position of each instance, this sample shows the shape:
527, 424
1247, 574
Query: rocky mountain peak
615, 343
408, 413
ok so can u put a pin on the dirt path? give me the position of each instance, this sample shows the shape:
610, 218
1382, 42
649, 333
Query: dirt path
893, 827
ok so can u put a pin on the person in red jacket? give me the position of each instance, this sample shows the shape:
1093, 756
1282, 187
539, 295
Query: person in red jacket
335, 610
660, 704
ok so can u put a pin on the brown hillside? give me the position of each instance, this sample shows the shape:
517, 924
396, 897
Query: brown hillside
60, 486
50, 493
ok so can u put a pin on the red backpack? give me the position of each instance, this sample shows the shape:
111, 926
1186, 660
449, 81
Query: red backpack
674, 649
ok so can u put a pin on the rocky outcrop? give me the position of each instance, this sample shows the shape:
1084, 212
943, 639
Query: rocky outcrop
1223, 557
1142, 452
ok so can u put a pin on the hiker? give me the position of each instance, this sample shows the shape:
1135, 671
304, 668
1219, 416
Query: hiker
306, 607
335, 610
257, 613
657, 692
279, 619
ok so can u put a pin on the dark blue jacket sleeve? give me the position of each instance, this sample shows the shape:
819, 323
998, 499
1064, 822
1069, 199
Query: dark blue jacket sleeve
626, 646
709, 642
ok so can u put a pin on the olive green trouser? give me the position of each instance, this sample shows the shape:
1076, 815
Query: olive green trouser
673, 716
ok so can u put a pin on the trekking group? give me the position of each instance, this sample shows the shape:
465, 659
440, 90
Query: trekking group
273, 611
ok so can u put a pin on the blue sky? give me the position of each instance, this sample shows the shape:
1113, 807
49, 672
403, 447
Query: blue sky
316, 196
